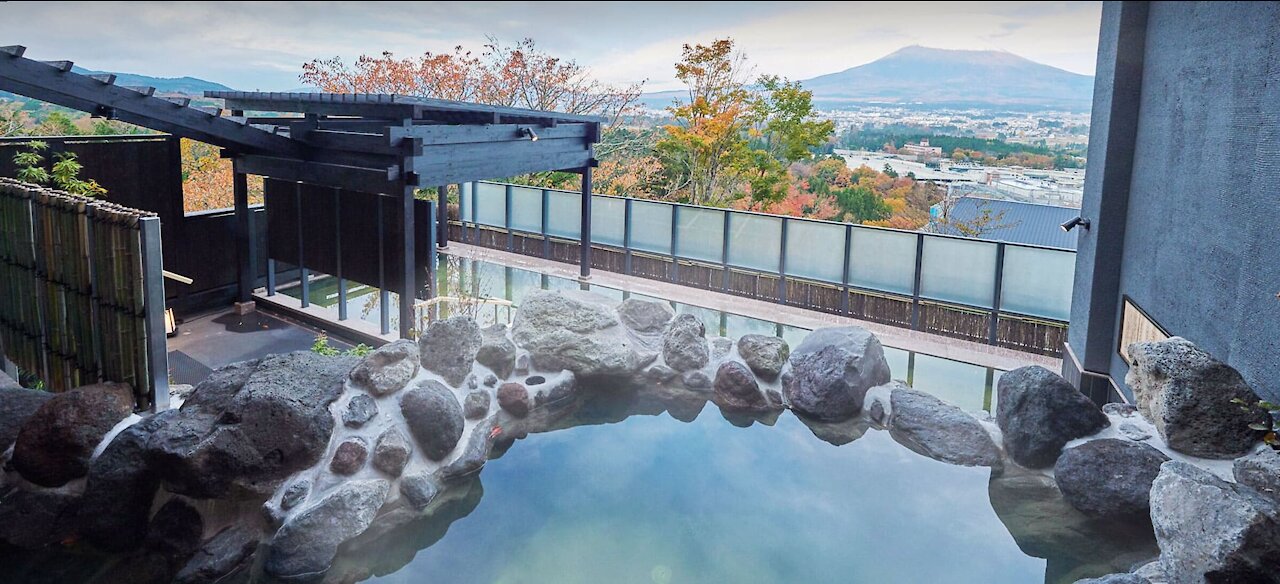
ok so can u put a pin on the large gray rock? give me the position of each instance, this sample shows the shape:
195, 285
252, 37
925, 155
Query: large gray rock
476, 404
449, 347
939, 430
1039, 412
645, 316
578, 331
360, 410
737, 389
306, 544
16, 405
832, 370
497, 352
434, 417
121, 488
388, 369
1260, 471
1210, 530
1188, 395
1109, 478
55, 443
391, 453
473, 457
765, 355
228, 552
35, 519
419, 490
684, 345
243, 442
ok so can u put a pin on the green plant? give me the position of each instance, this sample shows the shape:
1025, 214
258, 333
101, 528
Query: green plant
65, 175
321, 347
1271, 426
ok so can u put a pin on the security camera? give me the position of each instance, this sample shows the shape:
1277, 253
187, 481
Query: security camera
1078, 221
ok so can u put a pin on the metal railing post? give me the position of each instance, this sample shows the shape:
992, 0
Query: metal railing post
153, 306
994, 333
915, 287
782, 264
546, 218
724, 252
675, 243
844, 279
626, 236
511, 236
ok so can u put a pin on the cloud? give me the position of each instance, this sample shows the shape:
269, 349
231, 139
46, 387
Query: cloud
263, 45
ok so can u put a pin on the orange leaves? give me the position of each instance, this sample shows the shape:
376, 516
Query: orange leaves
518, 75
207, 179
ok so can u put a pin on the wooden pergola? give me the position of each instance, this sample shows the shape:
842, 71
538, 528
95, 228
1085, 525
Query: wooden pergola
391, 145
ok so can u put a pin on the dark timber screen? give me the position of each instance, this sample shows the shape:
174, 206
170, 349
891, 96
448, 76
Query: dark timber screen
83, 285
1010, 295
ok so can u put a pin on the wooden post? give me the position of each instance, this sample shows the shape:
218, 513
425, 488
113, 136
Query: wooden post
584, 258
153, 306
243, 238
442, 216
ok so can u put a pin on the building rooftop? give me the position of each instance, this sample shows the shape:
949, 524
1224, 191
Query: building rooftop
1028, 223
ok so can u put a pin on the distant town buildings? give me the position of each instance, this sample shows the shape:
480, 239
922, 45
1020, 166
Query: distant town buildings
1063, 188
921, 151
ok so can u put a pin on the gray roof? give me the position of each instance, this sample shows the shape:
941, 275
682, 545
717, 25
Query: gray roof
1028, 223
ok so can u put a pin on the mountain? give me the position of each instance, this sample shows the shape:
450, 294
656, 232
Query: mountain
923, 77
184, 85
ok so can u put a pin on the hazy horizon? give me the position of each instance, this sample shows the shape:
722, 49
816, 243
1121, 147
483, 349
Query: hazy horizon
262, 46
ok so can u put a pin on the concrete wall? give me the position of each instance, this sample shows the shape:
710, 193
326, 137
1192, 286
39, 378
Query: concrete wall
1199, 249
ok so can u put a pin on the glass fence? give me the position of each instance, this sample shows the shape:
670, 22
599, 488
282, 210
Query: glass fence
1006, 277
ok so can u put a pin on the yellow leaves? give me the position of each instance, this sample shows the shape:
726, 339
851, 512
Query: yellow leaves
207, 179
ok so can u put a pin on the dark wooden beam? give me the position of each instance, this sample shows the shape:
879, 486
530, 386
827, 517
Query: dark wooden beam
62, 87
454, 134
366, 180
436, 172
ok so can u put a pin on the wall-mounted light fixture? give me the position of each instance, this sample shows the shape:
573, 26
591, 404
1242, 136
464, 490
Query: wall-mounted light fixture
1078, 221
527, 132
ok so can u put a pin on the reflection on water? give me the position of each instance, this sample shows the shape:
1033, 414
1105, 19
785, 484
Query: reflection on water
969, 386
651, 499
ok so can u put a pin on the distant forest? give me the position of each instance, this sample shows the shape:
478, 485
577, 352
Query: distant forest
984, 150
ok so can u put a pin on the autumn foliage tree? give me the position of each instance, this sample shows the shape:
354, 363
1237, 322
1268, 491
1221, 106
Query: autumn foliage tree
519, 75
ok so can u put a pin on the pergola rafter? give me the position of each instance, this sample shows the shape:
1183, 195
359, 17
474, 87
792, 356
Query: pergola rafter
375, 143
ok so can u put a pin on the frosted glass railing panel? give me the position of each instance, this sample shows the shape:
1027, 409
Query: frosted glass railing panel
816, 251
700, 234
754, 241
883, 260
465, 200
608, 220
1038, 282
958, 270
564, 214
491, 204
651, 227
526, 209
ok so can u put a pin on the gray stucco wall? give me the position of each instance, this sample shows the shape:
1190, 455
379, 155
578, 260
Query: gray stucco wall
1201, 241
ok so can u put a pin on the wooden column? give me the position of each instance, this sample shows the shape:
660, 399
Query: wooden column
245, 248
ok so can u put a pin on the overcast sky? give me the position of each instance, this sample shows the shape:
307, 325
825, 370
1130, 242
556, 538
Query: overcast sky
261, 46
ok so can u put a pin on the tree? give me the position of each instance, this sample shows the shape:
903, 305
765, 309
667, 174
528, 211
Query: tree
706, 144
12, 119
56, 124
889, 171
519, 75
861, 204
785, 120
985, 219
